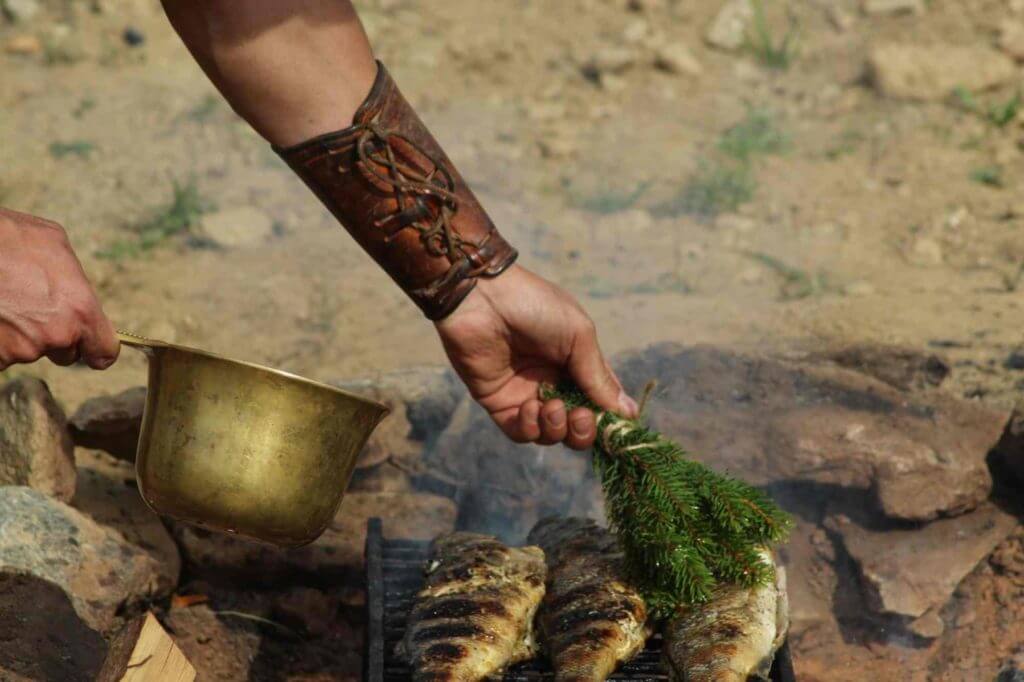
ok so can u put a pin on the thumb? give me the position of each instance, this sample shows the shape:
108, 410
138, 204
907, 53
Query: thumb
595, 377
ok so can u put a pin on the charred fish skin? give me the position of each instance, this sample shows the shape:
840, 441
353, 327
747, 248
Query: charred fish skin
732, 637
475, 614
591, 618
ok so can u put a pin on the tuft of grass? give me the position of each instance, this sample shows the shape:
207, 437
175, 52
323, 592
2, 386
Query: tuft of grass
775, 54
79, 148
999, 114
1012, 280
181, 213
613, 201
845, 144
666, 282
796, 283
715, 188
58, 53
85, 105
757, 134
988, 175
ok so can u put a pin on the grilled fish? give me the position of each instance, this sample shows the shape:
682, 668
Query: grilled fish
731, 638
591, 618
475, 614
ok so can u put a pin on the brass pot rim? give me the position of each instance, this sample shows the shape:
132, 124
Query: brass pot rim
151, 344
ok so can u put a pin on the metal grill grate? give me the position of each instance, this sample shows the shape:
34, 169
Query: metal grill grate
394, 574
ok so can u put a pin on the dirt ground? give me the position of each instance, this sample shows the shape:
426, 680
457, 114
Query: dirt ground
868, 219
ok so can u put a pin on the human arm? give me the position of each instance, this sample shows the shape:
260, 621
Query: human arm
301, 69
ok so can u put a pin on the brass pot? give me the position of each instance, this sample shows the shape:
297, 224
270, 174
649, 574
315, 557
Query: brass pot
246, 450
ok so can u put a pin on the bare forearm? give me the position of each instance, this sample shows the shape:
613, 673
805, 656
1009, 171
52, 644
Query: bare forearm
292, 69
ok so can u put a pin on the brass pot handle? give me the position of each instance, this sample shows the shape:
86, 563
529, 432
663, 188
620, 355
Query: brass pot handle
136, 341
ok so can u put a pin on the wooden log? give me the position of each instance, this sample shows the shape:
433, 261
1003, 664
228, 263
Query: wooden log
144, 652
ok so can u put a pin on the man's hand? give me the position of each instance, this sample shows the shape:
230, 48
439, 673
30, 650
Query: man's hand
47, 306
517, 331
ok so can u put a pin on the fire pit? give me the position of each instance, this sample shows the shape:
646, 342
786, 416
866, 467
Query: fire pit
394, 574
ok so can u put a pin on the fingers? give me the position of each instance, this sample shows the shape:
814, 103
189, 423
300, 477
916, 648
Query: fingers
547, 423
99, 346
582, 429
65, 357
593, 374
529, 426
553, 423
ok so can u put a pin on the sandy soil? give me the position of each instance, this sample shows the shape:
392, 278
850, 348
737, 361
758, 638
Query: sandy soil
865, 224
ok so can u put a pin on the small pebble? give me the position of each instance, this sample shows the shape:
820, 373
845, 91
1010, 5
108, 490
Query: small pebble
1015, 360
133, 37
24, 45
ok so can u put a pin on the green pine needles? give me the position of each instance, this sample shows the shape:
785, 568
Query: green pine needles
683, 527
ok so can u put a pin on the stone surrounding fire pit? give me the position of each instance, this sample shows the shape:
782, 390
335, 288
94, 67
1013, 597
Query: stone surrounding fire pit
905, 540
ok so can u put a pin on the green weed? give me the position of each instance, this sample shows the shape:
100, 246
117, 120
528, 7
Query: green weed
845, 144
757, 134
79, 148
181, 213
998, 114
598, 287
55, 54
206, 107
988, 175
612, 201
763, 45
796, 283
85, 105
715, 188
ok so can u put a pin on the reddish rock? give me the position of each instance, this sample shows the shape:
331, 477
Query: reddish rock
919, 454
913, 571
35, 449
111, 423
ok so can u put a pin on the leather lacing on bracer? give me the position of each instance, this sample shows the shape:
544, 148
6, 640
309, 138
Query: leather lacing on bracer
426, 201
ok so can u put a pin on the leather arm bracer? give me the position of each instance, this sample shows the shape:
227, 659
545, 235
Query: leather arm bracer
391, 185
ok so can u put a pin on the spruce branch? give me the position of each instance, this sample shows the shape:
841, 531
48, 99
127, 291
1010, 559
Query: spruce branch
683, 527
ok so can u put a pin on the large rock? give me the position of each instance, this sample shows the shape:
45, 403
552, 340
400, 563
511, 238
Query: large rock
111, 423
911, 572
36, 616
108, 495
430, 395
102, 574
422, 400
931, 72
337, 554
504, 488
35, 449
919, 455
